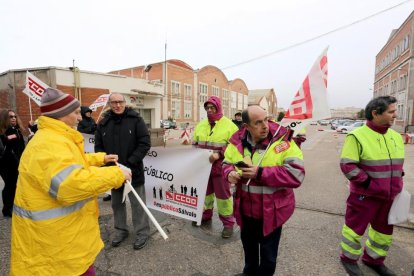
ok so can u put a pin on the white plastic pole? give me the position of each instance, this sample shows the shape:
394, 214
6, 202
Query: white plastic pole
267, 148
157, 225
30, 110
100, 114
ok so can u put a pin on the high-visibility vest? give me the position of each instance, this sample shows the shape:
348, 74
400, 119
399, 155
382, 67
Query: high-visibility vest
275, 202
380, 156
215, 138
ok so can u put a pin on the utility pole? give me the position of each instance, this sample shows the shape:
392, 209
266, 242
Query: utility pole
165, 68
76, 81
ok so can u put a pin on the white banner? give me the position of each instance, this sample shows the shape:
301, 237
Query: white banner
311, 101
34, 88
89, 142
176, 180
100, 101
170, 186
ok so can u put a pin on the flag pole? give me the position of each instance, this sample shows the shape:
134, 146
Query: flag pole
30, 109
100, 114
157, 225
30, 103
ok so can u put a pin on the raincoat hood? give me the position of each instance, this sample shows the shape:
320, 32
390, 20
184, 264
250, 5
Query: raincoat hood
219, 110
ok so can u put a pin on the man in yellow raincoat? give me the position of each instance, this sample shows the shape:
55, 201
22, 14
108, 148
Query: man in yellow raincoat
55, 228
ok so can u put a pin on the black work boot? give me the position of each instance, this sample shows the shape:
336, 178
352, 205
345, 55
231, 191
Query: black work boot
119, 237
380, 269
352, 269
107, 198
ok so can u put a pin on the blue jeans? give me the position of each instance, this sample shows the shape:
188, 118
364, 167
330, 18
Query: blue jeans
256, 247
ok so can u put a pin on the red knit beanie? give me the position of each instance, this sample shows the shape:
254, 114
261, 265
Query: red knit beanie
56, 104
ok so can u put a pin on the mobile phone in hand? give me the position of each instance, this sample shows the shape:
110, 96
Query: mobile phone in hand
241, 164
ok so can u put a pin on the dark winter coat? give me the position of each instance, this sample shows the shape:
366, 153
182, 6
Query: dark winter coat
1, 148
13, 142
87, 125
125, 135
239, 124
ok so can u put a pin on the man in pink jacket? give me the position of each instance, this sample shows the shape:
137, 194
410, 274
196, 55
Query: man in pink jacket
263, 153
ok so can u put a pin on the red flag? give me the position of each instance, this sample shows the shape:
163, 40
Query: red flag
310, 102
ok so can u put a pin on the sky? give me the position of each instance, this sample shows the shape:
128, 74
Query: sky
106, 35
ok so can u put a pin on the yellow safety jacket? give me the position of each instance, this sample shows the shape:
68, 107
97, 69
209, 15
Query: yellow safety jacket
55, 228
373, 162
216, 138
269, 196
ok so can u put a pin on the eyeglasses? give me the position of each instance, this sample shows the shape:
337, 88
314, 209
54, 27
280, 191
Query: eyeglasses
212, 107
117, 102
12, 116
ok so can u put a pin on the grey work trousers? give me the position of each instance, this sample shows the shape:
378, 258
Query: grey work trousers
140, 219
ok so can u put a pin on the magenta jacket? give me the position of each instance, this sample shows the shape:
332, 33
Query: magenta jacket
270, 195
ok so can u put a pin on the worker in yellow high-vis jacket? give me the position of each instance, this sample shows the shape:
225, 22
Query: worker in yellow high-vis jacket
55, 229
214, 133
372, 159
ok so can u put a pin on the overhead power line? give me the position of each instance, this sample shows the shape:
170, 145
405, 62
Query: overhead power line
316, 37
302, 42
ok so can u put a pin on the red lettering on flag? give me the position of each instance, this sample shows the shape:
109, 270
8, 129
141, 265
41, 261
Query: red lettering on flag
301, 107
324, 64
35, 87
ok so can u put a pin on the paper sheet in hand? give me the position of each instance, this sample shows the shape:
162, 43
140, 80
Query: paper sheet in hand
400, 208
127, 188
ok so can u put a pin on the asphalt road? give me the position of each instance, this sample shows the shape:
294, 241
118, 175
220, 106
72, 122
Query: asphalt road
310, 239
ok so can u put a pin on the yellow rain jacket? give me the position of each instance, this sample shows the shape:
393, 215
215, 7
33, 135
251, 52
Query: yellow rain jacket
55, 228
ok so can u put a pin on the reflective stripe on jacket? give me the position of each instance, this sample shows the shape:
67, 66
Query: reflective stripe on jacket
55, 228
215, 138
373, 162
270, 196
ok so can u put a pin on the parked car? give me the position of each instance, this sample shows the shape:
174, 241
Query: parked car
342, 125
168, 124
336, 123
313, 123
324, 122
348, 128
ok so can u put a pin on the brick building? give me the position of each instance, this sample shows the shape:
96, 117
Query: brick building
266, 98
181, 99
84, 85
394, 70
187, 89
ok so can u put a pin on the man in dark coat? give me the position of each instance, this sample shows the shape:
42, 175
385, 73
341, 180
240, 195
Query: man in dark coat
87, 125
238, 120
122, 131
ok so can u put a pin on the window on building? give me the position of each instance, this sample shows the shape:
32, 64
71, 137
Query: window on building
400, 111
175, 109
175, 88
407, 42
225, 102
203, 93
215, 91
232, 112
188, 108
188, 91
405, 78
